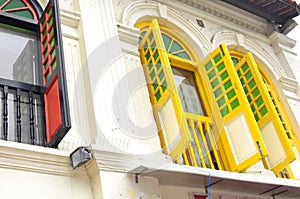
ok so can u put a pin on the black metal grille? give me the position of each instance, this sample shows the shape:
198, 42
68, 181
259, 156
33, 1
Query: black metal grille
21, 113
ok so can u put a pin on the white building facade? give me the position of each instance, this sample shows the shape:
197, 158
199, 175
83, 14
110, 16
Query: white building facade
148, 145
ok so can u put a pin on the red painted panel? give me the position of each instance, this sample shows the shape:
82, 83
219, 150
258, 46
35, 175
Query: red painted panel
200, 197
52, 109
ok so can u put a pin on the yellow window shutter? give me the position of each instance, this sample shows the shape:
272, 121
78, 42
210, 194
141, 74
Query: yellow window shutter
237, 134
169, 115
266, 115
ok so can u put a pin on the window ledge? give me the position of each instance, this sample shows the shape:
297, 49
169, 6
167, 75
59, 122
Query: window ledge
226, 182
36, 159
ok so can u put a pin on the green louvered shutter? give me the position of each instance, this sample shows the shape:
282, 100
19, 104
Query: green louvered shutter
266, 115
237, 134
169, 115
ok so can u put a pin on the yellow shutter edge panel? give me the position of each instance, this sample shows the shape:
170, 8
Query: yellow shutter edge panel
229, 109
266, 116
171, 123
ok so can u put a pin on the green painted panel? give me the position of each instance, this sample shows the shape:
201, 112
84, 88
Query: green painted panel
245, 67
150, 66
161, 75
221, 102
53, 53
224, 75
234, 104
224, 111
152, 75
52, 43
256, 117
151, 36
51, 32
183, 55
208, 66
158, 96
248, 75
167, 41
14, 4
156, 55
155, 85
175, 47
54, 65
50, 21
2, 2
214, 83
211, 74
218, 92
23, 13
246, 90
227, 84
259, 102
153, 46
235, 61
252, 108
158, 65
252, 84
164, 85
50, 11
221, 66
218, 58
263, 111
148, 55
231, 94
249, 98
255, 93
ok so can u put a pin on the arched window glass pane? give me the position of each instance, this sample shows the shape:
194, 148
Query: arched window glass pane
174, 48
17, 7
18, 53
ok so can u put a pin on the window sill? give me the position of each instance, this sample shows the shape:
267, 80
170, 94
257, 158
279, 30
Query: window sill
36, 159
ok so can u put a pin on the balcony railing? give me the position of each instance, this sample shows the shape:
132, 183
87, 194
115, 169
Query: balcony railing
202, 151
21, 113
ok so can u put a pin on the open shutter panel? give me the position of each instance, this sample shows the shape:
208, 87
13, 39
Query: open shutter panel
53, 73
266, 115
238, 136
163, 93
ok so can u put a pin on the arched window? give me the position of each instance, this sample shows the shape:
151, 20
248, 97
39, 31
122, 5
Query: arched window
177, 97
216, 114
32, 76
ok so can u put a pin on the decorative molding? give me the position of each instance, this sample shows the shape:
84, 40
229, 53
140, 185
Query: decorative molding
228, 13
282, 39
111, 159
289, 84
36, 159
128, 34
163, 11
137, 10
70, 18
280, 42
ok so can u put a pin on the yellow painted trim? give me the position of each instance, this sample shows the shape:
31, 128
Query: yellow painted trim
271, 115
152, 51
277, 110
218, 120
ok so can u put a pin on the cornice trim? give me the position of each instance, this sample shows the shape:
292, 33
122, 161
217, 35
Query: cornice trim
36, 159
110, 159
247, 21
70, 18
